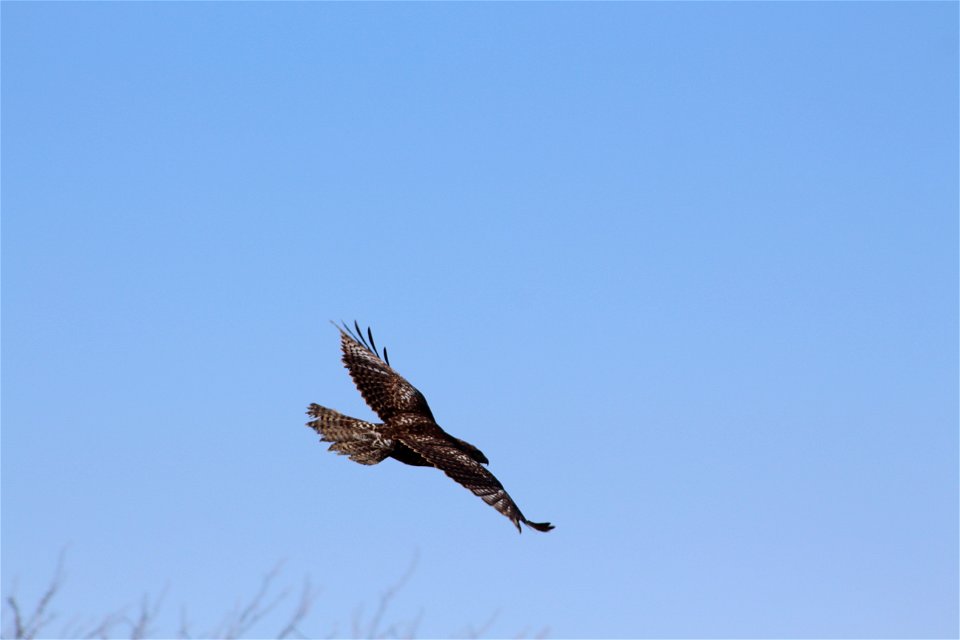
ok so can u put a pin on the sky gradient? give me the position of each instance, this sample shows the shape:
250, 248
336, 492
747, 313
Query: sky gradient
686, 273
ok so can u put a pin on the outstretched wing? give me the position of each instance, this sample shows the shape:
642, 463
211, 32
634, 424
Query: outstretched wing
461, 467
382, 388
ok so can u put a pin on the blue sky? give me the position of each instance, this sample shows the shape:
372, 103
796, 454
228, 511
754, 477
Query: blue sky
686, 273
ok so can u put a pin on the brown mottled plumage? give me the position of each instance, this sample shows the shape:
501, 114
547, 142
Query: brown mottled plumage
409, 432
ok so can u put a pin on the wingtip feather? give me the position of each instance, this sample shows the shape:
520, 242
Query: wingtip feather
539, 526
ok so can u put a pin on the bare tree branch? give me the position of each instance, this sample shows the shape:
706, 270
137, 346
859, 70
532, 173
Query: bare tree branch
373, 629
472, 632
17, 618
245, 616
414, 626
28, 628
239, 622
308, 596
140, 628
542, 632
184, 631
103, 629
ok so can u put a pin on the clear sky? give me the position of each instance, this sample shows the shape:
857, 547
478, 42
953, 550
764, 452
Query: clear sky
686, 273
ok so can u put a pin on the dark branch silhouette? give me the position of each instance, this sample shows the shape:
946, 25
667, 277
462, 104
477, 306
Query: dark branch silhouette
247, 618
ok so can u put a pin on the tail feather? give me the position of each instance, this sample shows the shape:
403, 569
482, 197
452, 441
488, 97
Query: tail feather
361, 441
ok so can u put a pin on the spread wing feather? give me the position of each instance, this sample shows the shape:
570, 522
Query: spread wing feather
383, 389
465, 470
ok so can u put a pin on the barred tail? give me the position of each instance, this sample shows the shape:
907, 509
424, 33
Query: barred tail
360, 440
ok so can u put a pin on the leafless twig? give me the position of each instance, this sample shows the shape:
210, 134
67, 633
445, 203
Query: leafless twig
241, 621
27, 628
243, 618
373, 629
140, 628
104, 628
477, 632
184, 631
542, 632
308, 596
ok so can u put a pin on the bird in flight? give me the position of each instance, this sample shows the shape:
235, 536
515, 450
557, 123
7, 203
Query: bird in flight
409, 433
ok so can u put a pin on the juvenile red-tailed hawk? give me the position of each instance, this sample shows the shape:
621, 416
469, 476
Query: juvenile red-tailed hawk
409, 432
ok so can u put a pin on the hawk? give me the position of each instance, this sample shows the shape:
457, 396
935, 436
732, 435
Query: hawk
409, 433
